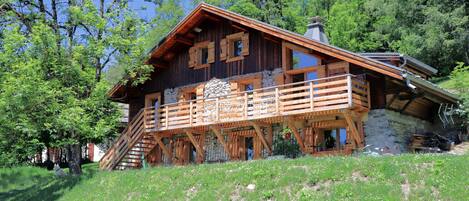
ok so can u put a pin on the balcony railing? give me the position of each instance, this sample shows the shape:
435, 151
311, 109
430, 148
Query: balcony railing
338, 92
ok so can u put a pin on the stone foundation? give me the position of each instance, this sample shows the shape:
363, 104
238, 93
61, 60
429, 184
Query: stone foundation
392, 130
214, 150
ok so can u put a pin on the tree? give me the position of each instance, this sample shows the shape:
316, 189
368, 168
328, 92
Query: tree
52, 93
459, 83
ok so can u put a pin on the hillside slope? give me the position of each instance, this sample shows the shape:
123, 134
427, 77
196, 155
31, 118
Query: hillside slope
413, 177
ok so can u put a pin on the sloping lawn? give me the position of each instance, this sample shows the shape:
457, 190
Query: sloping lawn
413, 177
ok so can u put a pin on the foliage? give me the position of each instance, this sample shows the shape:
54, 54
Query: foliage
438, 177
436, 32
286, 145
459, 84
52, 58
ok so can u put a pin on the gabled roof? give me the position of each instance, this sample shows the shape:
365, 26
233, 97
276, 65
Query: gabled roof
408, 59
204, 9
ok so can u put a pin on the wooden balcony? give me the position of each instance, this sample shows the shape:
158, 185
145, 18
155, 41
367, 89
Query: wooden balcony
331, 93
284, 103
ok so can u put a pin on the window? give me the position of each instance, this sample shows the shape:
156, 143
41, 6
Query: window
249, 87
152, 100
237, 48
193, 96
202, 54
234, 47
300, 64
302, 60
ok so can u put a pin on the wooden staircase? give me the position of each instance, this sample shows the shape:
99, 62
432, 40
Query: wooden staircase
127, 150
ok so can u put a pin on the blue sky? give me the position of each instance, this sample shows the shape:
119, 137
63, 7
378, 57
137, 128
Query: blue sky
146, 10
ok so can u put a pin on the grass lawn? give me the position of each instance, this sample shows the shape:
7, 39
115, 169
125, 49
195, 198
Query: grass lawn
413, 177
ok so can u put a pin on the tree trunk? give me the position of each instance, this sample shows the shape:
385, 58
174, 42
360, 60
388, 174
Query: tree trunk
74, 157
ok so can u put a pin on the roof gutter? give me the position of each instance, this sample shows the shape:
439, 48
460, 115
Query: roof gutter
413, 82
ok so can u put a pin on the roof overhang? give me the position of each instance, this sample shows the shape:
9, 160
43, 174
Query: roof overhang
204, 10
431, 88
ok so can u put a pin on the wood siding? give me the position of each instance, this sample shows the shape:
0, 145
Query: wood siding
263, 55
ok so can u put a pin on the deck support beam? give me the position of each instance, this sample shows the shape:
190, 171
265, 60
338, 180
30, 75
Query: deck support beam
353, 128
260, 134
217, 132
297, 135
198, 148
163, 147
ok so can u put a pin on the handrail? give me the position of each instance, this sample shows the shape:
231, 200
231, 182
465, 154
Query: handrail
104, 163
257, 90
340, 92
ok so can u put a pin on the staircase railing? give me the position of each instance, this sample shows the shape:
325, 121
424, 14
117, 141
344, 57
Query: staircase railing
131, 134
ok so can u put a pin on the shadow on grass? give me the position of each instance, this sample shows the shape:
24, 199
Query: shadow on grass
38, 185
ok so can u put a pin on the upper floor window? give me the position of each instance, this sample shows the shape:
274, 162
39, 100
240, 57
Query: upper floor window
300, 64
237, 48
202, 54
303, 60
234, 47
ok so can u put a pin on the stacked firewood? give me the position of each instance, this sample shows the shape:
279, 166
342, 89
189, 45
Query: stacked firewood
430, 143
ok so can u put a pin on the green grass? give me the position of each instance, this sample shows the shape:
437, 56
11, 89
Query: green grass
417, 177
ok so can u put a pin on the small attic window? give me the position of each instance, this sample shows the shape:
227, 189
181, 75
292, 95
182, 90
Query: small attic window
202, 54
237, 48
234, 47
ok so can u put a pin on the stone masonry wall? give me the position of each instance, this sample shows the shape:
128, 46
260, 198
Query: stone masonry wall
392, 130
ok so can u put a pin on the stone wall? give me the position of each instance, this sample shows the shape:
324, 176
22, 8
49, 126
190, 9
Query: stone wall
392, 130
214, 150
170, 96
268, 77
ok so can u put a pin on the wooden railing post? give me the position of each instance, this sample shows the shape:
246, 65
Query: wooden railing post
246, 105
217, 108
277, 104
190, 113
311, 95
145, 125
349, 90
368, 94
166, 116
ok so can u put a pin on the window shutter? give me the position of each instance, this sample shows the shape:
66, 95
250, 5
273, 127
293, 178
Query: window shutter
211, 52
234, 87
245, 41
223, 52
192, 57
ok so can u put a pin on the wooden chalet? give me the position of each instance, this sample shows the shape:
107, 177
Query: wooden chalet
225, 85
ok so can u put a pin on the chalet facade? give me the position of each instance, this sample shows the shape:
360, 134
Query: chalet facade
224, 87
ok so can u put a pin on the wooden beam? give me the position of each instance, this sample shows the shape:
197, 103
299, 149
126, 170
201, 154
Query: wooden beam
163, 147
297, 135
220, 138
261, 135
263, 124
199, 149
304, 70
193, 131
407, 104
184, 40
391, 101
353, 128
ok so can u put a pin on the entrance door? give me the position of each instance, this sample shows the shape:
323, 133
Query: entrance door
154, 100
249, 144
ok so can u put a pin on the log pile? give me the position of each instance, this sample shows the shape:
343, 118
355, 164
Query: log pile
430, 143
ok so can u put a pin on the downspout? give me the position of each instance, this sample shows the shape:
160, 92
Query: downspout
405, 74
